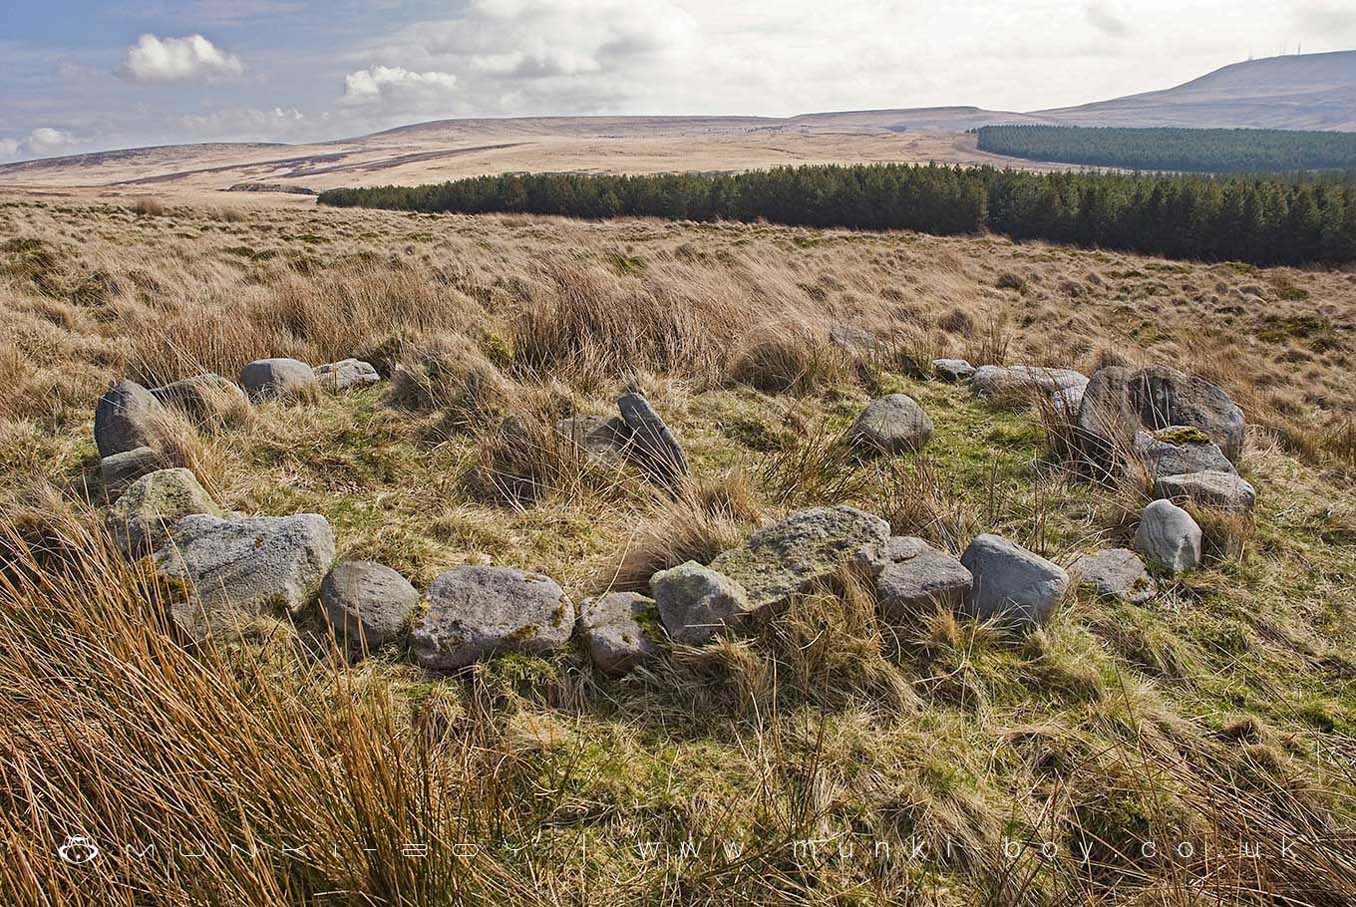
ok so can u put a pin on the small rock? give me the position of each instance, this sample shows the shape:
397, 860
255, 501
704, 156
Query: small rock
476, 611
1210, 488
271, 379
122, 469
1010, 382
652, 445
919, 577
619, 631
126, 418
853, 338
206, 399
1011, 583
1115, 573
141, 518
695, 603
367, 603
953, 370
1168, 537
346, 373
602, 438
891, 424
807, 547
1178, 450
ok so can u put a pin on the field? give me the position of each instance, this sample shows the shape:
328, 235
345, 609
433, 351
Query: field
1197, 749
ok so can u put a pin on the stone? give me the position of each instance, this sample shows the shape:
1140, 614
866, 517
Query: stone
651, 445
1120, 402
953, 370
1178, 450
874, 557
853, 338
272, 379
918, 577
1115, 573
205, 399
1067, 400
1168, 537
241, 567
695, 603
476, 611
891, 424
803, 549
1006, 382
126, 418
140, 519
602, 438
368, 604
122, 469
1209, 488
619, 631
345, 374
1012, 584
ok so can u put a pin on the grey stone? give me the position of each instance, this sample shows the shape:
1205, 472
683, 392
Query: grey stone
367, 603
345, 374
891, 424
619, 631
122, 469
602, 438
1168, 537
1067, 400
140, 519
1173, 452
205, 399
695, 603
651, 445
807, 547
1011, 583
475, 612
126, 418
1115, 573
917, 577
953, 370
873, 557
271, 379
241, 567
1210, 488
1016, 381
853, 338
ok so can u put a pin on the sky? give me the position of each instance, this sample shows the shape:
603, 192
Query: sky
82, 75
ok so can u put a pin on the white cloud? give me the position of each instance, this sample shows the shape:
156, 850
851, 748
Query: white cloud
154, 59
397, 87
41, 142
9, 149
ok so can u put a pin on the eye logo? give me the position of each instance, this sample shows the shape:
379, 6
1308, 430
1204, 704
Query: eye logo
78, 850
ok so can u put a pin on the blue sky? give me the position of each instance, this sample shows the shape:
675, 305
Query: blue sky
81, 75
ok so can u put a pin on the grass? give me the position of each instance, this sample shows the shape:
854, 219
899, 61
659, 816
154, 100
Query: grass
806, 764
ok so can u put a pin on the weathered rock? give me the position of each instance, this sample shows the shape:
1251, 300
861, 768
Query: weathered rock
368, 604
695, 603
1210, 488
345, 374
619, 631
1067, 400
1177, 450
126, 418
603, 438
853, 338
475, 612
787, 557
1017, 381
873, 557
1168, 537
271, 379
652, 445
918, 577
122, 469
1011, 583
890, 424
141, 518
953, 370
1115, 573
1119, 402
240, 567
205, 399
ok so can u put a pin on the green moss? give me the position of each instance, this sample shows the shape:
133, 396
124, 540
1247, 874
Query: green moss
1182, 434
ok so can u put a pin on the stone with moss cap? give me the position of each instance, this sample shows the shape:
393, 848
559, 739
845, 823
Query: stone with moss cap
620, 630
142, 517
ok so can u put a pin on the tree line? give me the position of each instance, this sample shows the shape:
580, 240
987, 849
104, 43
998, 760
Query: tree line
1266, 220
1190, 150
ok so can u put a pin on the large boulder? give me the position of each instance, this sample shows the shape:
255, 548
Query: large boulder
1168, 537
891, 424
695, 603
953, 370
368, 604
273, 379
1210, 488
345, 374
1014, 382
1120, 402
651, 445
127, 417
122, 469
140, 519
207, 399
1178, 450
476, 611
619, 631
912, 577
1115, 573
1012, 584
789, 556
240, 567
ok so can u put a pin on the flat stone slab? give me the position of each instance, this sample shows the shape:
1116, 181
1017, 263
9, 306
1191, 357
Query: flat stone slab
475, 612
696, 603
619, 631
1168, 537
889, 425
142, 517
273, 379
1211, 488
1115, 573
1178, 450
1011, 583
1009, 381
651, 445
345, 374
368, 604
